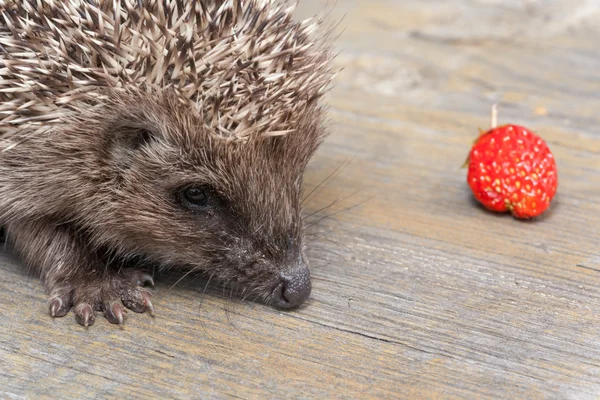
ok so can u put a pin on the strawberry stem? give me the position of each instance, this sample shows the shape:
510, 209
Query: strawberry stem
494, 125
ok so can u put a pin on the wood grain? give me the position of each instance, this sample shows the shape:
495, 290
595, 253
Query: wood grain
418, 292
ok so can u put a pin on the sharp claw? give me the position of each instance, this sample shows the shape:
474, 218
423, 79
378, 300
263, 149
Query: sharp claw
86, 316
148, 303
55, 304
119, 314
149, 280
58, 306
87, 313
141, 279
145, 278
138, 301
115, 314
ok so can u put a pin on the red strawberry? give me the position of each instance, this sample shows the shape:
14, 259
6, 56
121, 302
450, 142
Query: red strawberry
511, 168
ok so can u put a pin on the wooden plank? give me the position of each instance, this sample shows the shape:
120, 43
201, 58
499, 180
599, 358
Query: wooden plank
418, 292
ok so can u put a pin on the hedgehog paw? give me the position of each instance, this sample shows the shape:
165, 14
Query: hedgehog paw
111, 293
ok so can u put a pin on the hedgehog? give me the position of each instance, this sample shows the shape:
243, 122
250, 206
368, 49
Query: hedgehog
168, 133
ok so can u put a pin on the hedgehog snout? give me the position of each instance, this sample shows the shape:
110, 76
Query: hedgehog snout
293, 288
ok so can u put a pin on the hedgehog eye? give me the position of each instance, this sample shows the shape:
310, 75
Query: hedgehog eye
195, 196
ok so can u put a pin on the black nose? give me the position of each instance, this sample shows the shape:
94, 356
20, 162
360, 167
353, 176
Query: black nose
293, 289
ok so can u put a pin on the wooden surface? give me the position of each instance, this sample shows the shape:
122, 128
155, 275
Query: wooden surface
418, 292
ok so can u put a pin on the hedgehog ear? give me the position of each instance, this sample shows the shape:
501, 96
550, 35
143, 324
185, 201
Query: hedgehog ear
125, 141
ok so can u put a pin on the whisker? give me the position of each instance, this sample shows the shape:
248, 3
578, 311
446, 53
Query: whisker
326, 251
227, 310
209, 279
339, 212
344, 163
180, 279
337, 200
200, 301
331, 241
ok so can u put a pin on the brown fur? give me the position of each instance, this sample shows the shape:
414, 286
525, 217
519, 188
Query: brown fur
101, 185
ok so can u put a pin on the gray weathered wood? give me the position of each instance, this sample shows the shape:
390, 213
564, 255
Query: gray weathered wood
418, 292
